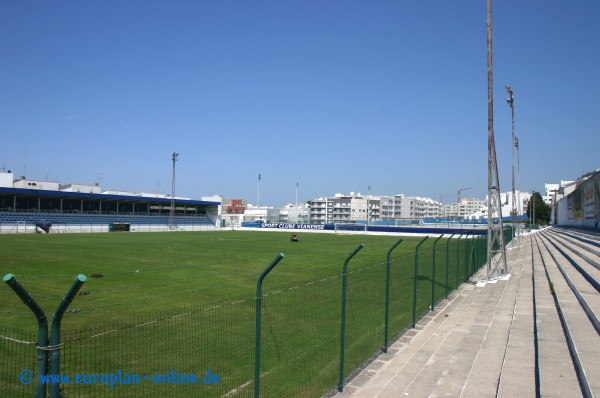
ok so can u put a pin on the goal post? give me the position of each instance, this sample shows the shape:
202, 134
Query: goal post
351, 228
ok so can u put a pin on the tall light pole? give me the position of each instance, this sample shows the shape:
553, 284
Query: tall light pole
511, 102
172, 212
530, 207
369, 202
496, 251
519, 203
258, 193
533, 214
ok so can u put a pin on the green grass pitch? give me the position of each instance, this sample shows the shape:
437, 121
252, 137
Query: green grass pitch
145, 273
186, 300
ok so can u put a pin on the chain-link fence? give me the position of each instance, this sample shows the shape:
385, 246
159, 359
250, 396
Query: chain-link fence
209, 350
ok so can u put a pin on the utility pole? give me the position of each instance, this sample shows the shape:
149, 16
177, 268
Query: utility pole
172, 212
533, 214
496, 251
530, 208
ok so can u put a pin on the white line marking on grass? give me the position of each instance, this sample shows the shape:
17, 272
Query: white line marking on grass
246, 384
100, 334
147, 323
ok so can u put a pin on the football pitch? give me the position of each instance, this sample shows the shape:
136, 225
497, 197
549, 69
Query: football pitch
144, 273
159, 301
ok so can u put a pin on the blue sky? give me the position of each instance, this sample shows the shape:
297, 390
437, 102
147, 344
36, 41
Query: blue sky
337, 96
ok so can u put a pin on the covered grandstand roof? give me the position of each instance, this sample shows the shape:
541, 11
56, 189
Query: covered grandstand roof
24, 192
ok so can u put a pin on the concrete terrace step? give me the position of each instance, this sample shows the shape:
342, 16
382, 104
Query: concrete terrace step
481, 342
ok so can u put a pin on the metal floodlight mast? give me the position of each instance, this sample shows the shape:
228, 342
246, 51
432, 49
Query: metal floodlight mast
520, 204
496, 252
258, 193
511, 103
172, 212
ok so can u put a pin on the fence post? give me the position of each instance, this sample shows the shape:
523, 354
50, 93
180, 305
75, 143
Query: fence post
414, 314
387, 293
472, 261
433, 275
11, 281
468, 243
479, 251
458, 259
448, 261
258, 321
55, 339
343, 332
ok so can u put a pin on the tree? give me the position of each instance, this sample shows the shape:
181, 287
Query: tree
542, 210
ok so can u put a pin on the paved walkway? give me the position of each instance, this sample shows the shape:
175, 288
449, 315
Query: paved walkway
482, 341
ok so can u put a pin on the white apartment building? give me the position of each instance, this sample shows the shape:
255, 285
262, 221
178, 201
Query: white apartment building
321, 210
367, 208
390, 207
6, 179
554, 192
81, 188
35, 184
415, 207
294, 214
506, 203
464, 208
261, 213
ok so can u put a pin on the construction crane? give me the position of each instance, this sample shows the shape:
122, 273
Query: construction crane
459, 191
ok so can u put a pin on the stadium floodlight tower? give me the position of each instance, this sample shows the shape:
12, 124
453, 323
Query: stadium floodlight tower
519, 203
258, 193
511, 102
496, 251
172, 212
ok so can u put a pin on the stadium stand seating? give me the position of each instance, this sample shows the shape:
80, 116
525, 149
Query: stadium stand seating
98, 219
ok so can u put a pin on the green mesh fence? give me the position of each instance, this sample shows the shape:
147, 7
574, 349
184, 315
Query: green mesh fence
438, 272
422, 282
18, 351
401, 294
365, 313
300, 345
300, 338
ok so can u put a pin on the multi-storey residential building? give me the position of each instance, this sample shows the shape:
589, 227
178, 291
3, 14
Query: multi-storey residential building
415, 207
391, 207
464, 208
366, 208
294, 214
554, 192
477, 209
373, 208
321, 211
